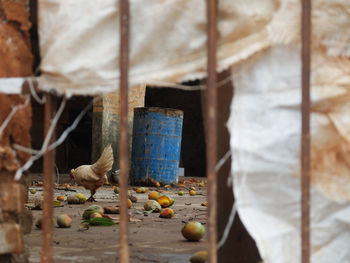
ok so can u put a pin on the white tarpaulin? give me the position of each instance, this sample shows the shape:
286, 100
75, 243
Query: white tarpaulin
79, 41
265, 126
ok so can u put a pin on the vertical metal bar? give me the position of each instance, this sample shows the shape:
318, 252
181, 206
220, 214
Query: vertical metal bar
305, 147
211, 131
124, 138
48, 167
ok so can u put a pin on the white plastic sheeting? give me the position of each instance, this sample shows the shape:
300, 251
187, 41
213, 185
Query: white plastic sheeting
79, 40
265, 125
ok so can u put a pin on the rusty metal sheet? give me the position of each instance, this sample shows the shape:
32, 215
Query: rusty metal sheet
12, 197
11, 238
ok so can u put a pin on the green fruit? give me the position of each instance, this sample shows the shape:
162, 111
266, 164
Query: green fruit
172, 201
117, 190
193, 231
152, 205
92, 209
81, 197
199, 257
32, 191
180, 192
64, 221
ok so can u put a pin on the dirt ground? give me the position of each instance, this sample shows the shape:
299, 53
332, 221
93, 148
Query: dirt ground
152, 239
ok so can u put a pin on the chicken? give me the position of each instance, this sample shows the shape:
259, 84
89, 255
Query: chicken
94, 176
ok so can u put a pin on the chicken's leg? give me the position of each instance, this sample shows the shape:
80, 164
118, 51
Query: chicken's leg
91, 198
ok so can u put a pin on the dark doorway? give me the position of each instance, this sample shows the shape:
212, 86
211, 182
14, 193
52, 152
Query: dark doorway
193, 153
76, 149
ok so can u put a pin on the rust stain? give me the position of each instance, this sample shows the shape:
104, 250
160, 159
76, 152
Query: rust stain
12, 197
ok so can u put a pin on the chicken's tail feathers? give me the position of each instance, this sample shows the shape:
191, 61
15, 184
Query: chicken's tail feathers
105, 162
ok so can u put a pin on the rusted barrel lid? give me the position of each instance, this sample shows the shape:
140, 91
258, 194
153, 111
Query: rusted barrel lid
164, 111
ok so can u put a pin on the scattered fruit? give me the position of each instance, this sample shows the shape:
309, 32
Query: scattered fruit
156, 184
94, 215
167, 213
111, 210
193, 231
193, 188
129, 203
64, 221
141, 190
192, 192
152, 205
71, 199
60, 198
172, 201
199, 257
116, 190
153, 195
167, 186
81, 197
164, 201
56, 203
67, 186
92, 209
32, 191
204, 204
202, 184
133, 198
180, 192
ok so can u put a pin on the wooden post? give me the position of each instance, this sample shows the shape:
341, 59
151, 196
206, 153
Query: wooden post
124, 137
305, 140
211, 123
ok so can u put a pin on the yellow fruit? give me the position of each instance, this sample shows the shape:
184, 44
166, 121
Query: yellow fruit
129, 203
192, 188
81, 197
64, 221
32, 191
193, 231
153, 195
164, 201
199, 257
167, 213
93, 215
192, 192
60, 198
157, 184
67, 186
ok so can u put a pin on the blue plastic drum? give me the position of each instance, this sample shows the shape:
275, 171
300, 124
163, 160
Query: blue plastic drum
156, 145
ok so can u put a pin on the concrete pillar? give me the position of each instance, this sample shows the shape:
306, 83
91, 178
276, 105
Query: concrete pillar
105, 121
16, 61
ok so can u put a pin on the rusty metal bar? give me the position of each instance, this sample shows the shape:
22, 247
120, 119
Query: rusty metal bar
48, 169
305, 139
123, 135
211, 131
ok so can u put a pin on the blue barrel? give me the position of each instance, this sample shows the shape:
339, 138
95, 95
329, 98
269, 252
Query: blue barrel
156, 145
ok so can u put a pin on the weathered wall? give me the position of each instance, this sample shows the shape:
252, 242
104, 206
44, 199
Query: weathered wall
16, 60
106, 121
